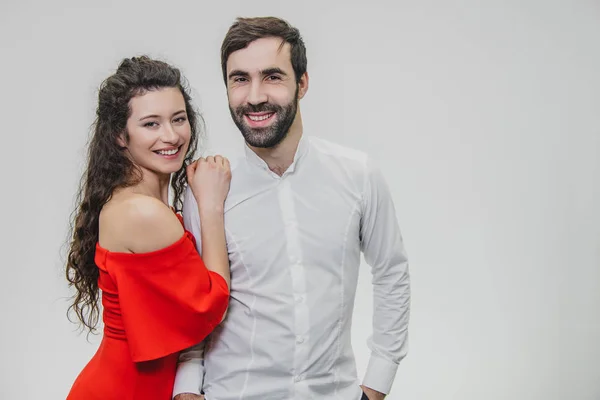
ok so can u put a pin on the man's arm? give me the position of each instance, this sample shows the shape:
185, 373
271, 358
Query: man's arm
190, 369
381, 243
190, 374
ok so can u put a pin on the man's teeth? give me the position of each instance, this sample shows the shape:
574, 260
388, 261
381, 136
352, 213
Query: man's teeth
168, 152
260, 117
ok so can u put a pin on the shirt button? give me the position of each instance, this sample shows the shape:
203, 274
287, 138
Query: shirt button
299, 339
299, 299
299, 378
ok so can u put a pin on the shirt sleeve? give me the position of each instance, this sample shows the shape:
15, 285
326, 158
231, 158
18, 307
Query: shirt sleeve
191, 217
190, 369
383, 249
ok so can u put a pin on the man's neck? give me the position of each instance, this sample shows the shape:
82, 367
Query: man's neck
280, 157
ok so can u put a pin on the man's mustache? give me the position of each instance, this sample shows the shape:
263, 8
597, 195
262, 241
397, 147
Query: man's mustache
263, 107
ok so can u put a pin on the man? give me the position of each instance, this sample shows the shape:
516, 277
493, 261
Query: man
299, 212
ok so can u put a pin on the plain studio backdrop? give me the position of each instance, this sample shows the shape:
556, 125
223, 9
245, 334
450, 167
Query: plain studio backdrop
483, 115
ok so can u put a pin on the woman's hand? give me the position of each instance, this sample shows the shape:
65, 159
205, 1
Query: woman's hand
209, 179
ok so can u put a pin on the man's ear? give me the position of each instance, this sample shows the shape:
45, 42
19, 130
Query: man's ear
303, 85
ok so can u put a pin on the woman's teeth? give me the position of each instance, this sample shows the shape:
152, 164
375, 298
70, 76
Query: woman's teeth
168, 152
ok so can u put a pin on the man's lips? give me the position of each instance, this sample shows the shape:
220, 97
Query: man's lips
260, 119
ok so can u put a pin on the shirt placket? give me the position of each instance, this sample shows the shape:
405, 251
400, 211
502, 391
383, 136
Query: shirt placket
298, 278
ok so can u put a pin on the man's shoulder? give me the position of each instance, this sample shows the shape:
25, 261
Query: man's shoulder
348, 166
235, 161
337, 151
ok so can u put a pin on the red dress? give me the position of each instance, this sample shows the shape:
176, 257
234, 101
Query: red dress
154, 305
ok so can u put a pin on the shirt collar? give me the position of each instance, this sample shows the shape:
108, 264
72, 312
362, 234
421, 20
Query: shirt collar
253, 158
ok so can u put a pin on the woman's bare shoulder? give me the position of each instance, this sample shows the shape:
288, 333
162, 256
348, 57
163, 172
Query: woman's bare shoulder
137, 223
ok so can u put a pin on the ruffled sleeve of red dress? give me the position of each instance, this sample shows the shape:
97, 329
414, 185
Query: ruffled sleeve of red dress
169, 300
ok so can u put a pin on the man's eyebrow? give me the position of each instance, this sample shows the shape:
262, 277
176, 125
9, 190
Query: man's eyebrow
237, 72
264, 72
271, 71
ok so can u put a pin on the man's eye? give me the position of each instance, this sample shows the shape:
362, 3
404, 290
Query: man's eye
273, 78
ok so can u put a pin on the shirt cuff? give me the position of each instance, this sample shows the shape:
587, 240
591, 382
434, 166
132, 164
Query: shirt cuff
380, 374
189, 377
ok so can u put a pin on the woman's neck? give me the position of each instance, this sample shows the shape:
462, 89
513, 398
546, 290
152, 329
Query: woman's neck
154, 185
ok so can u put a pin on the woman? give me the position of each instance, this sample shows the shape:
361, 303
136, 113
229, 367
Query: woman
158, 295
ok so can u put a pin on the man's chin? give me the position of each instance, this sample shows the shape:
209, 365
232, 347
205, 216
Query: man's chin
260, 141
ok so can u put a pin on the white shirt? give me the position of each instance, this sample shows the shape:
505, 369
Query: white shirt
294, 246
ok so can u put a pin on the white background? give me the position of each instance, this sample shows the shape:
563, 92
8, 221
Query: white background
484, 115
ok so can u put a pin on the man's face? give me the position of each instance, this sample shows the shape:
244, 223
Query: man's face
262, 91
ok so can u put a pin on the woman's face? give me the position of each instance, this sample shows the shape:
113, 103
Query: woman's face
159, 130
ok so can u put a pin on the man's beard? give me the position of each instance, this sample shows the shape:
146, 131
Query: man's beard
269, 136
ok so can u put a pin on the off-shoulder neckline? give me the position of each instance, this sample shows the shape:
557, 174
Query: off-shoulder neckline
186, 235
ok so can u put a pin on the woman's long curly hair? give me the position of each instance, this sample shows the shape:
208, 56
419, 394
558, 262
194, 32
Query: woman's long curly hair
109, 168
